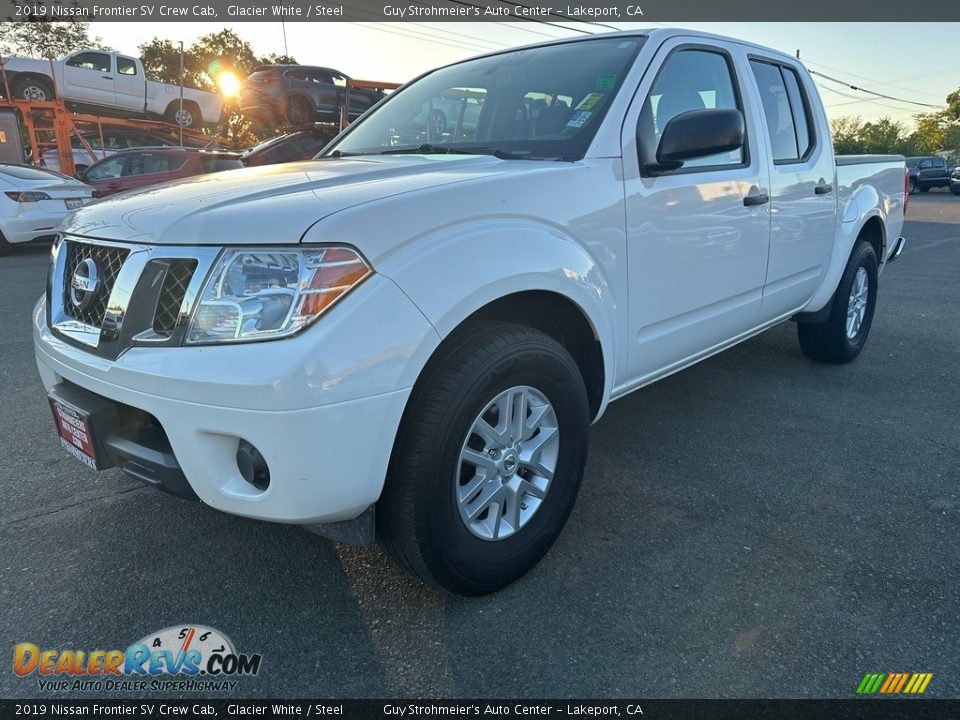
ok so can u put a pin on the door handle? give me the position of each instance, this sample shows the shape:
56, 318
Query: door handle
107, 77
758, 199
114, 186
823, 189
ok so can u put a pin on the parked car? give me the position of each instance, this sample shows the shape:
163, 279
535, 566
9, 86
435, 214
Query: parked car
33, 203
110, 83
955, 181
142, 167
301, 145
928, 172
114, 139
410, 342
301, 94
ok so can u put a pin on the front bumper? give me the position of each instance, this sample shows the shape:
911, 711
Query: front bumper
322, 411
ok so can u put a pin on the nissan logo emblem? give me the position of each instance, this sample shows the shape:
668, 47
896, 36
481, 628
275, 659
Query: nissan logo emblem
84, 283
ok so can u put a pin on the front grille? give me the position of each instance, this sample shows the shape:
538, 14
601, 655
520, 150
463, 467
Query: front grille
172, 293
108, 260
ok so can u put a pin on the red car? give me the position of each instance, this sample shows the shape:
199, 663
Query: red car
300, 145
142, 167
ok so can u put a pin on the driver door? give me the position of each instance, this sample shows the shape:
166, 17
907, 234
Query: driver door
697, 254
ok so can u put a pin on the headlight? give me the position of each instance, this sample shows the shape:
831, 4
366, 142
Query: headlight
272, 292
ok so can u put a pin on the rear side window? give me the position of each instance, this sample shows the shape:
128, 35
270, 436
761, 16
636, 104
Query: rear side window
219, 164
800, 109
153, 163
786, 110
126, 66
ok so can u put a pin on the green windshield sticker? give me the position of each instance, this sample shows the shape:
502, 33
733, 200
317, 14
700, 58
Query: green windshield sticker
589, 101
605, 82
579, 119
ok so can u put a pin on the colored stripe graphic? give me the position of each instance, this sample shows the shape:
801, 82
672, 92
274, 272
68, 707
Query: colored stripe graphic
894, 683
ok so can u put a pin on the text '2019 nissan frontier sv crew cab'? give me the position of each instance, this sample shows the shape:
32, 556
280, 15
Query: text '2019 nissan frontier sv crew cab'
409, 336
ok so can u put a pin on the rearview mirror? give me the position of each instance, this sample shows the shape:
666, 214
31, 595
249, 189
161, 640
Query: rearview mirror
698, 133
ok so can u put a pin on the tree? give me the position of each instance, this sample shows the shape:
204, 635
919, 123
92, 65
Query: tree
203, 62
846, 135
930, 133
37, 38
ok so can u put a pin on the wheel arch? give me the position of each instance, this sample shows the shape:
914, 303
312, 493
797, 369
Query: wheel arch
559, 317
870, 225
174, 105
17, 78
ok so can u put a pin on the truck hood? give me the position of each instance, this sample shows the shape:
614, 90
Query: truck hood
273, 204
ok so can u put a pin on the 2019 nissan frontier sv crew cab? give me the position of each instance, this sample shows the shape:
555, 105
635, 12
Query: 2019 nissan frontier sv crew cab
411, 339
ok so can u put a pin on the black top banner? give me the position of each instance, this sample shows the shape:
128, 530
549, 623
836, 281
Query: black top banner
600, 12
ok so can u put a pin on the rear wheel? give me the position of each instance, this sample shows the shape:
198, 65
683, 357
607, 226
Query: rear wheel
298, 111
188, 116
923, 188
5, 247
841, 338
488, 461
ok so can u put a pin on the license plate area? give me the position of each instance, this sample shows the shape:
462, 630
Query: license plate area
74, 203
75, 432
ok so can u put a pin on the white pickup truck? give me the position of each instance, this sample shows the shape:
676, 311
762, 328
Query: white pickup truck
410, 336
111, 83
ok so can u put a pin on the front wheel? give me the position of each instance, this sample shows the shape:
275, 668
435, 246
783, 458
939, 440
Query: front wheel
841, 338
923, 188
33, 89
488, 460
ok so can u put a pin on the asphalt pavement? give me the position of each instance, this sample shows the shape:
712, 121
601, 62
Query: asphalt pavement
755, 526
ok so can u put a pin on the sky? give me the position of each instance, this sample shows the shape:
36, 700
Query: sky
907, 61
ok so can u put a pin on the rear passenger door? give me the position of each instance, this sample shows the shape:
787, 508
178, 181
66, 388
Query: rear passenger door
802, 192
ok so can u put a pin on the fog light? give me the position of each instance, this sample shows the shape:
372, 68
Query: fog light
252, 466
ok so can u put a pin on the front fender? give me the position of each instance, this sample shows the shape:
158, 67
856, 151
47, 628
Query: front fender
454, 271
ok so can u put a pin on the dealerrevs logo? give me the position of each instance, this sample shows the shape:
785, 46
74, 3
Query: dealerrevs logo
181, 657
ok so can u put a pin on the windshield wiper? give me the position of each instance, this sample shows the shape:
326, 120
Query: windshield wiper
448, 150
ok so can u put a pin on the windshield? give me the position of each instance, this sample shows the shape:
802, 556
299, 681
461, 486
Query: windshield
536, 103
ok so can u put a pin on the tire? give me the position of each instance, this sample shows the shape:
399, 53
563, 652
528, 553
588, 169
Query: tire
923, 188
33, 89
188, 117
421, 521
913, 186
955, 192
5, 247
298, 111
831, 341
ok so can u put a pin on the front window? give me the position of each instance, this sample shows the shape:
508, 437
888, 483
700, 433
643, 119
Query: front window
112, 168
90, 61
537, 103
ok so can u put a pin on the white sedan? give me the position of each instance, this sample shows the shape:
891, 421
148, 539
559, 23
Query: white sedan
34, 201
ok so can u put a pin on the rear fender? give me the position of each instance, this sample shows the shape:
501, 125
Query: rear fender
865, 203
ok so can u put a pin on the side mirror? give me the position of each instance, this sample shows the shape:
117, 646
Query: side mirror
695, 134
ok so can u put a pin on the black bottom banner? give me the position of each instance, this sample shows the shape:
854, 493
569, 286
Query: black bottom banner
404, 709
